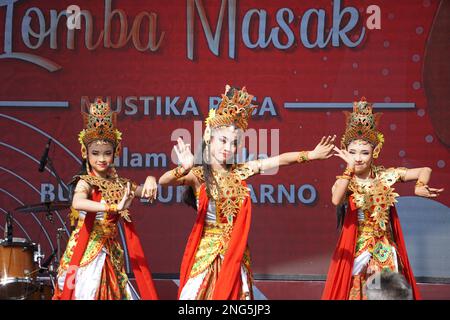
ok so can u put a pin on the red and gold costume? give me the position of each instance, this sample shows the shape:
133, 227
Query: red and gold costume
216, 261
371, 238
92, 266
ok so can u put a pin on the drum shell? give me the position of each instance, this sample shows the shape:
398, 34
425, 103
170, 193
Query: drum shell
17, 269
43, 289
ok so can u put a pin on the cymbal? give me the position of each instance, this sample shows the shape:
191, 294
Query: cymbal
44, 206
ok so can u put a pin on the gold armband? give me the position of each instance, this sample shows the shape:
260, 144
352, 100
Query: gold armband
111, 208
344, 177
348, 174
420, 184
178, 172
302, 157
260, 170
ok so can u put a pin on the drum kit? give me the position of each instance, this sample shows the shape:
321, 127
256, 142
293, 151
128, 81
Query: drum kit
24, 274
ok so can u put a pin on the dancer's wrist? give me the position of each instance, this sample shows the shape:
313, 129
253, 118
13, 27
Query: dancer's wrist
179, 172
304, 156
348, 174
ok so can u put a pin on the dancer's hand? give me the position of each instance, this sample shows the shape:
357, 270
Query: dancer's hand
346, 156
427, 192
323, 150
184, 154
127, 198
150, 188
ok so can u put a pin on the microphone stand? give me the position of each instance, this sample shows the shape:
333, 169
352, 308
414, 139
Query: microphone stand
9, 229
59, 231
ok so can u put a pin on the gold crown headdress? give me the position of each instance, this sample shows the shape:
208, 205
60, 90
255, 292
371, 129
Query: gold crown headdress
99, 124
236, 111
362, 124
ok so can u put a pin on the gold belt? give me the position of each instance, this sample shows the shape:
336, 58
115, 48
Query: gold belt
101, 228
369, 230
105, 230
366, 229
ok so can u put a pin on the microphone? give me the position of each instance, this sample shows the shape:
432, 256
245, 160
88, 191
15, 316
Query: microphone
44, 157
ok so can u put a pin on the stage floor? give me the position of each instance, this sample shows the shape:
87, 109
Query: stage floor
300, 290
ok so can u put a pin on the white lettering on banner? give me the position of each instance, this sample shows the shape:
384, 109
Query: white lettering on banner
334, 31
73, 17
274, 194
374, 20
138, 160
279, 194
48, 193
171, 106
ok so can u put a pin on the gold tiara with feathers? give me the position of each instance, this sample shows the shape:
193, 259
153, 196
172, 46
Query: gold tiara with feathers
99, 124
236, 111
362, 124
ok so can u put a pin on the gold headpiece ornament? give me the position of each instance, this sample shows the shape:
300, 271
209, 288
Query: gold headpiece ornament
236, 111
362, 124
99, 124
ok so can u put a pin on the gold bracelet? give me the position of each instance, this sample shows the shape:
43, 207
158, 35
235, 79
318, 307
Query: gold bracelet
420, 184
344, 177
177, 173
260, 170
347, 175
302, 157
349, 172
111, 208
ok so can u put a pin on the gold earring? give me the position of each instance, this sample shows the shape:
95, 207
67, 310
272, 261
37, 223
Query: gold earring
83, 152
88, 167
376, 151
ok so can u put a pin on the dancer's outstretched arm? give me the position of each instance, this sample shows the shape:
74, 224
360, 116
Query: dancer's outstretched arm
323, 150
421, 175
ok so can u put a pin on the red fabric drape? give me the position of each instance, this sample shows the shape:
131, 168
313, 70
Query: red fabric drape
194, 239
229, 281
68, 292
338, 284
401, 248
139, 264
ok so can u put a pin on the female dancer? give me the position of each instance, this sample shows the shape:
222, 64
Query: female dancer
92, 266
371, 238
216, 261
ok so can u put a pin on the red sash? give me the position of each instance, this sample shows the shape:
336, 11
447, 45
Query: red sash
229, 280
138, 262
401, 248
339, 279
